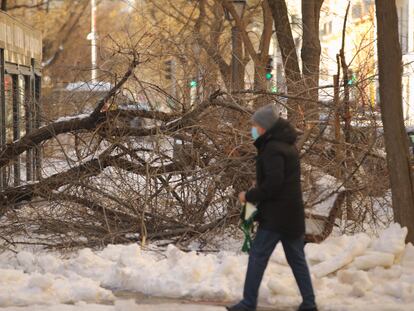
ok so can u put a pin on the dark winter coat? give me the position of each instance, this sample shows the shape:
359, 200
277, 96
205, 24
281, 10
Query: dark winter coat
278, 190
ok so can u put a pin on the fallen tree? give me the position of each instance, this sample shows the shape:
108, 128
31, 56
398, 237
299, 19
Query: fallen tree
171, 177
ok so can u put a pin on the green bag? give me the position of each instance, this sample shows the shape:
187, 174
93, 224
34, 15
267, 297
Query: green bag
248, 212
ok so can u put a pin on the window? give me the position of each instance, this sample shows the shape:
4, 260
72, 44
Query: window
412, 137
16, 123
296, 20
361, 8
357, 10
367, 4
8, 90
326, 29
403, 28
298, 42
9, 85
22, 109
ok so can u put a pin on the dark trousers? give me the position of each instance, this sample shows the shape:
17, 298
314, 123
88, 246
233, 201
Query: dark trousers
262, 248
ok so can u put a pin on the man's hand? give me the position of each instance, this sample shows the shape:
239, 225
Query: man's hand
242, 197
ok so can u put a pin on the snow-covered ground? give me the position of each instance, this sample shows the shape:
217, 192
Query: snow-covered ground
120, 305
349, 273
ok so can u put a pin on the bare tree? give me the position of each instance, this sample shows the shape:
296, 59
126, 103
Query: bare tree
396, 144
286, 44
311, 47
172, 173
260, 58
307, 81
53, 47
6, 6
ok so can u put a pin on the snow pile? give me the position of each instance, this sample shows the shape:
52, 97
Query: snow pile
79, 86
20, 288
119, 305
69, 118
355, 247
350, 273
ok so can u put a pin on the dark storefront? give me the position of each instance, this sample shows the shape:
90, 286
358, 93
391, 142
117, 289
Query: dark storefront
20, 64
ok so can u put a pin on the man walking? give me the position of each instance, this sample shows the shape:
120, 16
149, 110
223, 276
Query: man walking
281, 216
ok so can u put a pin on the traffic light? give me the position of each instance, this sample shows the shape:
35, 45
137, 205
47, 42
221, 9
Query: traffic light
353, 79
168, 69
193, 83
269, 68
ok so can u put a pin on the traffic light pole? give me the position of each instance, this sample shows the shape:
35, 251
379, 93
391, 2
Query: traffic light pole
173, 79
170, 74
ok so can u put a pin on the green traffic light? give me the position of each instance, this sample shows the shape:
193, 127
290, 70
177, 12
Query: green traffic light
353, 80
193, 83
269, 76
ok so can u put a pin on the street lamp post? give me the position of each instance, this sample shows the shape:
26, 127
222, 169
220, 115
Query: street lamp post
237, 68
92, 36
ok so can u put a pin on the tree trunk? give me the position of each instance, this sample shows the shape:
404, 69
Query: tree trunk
237, 66
4, 5
53, 49
210, 46
260, 81
293, 76
396, 141
286, 44
311, 46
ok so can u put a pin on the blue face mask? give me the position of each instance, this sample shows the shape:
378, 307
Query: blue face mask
255, 133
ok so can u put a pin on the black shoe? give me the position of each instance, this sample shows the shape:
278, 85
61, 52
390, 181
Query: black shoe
308, 309
238, 307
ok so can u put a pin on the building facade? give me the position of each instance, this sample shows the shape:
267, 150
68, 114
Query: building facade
406, 28
20, 67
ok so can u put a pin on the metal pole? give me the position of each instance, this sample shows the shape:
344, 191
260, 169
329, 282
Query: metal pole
193, 95
16, 126
37, 123
28, 98
94, 42
173, 79
3, 180
199, 90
